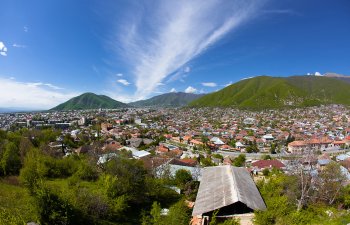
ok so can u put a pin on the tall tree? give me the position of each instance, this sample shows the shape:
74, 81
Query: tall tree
10, 161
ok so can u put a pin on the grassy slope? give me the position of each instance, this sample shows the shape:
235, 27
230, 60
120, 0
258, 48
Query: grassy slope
276, 92
15, 200
90, 101
169, 99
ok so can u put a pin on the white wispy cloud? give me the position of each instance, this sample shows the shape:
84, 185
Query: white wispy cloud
25, 29
281, 11
180, 74
18, 46
37, 84
162, 37
31, 95
228, 84
173, 90
190, 89
119, 74
209, 84
3, 49
123, 82
246, 78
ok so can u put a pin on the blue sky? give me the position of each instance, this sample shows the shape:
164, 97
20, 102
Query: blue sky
51, 51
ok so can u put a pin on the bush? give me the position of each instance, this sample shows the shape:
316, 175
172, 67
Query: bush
266, 172
52, 209
10, 218
239, 161
10, 162
33, 170
182, 177
87, 171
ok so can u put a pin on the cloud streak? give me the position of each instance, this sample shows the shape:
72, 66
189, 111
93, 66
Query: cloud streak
38, 84
3, 49
209, 84
31, 95
190, 89
18, 45
123, 82
166, 35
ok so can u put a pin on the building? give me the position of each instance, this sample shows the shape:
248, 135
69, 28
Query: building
228, 189
268, 164
321, 144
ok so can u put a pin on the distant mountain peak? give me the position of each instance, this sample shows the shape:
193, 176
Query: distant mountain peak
171, 99
90, 100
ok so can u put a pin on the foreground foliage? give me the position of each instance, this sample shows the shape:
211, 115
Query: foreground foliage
39, 186
281, 194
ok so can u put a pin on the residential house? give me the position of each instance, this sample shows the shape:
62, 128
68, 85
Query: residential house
228, 191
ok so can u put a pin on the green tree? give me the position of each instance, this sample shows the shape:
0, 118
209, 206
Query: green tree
87, 171
10, 161
156, 213
239, 161
266, 157
182, 177
290, 139
273, 148
24, 146
206, 161
52, 208
179, 214
266, 172
130, 174
232, 143
33, 170
278, 204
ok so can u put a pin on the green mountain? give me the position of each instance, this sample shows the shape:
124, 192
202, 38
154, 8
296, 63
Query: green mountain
266, 92
90, 101
168, 100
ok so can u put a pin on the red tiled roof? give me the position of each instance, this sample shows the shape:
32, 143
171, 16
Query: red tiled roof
268, 164
185, 162
297, 143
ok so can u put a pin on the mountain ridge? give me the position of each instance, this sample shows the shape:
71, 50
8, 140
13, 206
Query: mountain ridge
264, 92
172, 99
90, 100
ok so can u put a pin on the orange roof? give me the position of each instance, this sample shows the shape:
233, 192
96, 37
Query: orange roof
196, 142
297, 143
339, 142
225, 147
187, 137
162, 149
188, 160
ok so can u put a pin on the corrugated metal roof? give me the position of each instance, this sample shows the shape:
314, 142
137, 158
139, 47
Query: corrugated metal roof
225, 185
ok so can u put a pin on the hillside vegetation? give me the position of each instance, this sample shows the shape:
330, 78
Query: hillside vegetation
266, 92
168, 100
90, 101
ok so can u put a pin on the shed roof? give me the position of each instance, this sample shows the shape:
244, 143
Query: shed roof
225, 185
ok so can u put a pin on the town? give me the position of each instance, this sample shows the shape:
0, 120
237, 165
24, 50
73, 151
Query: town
170, 140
